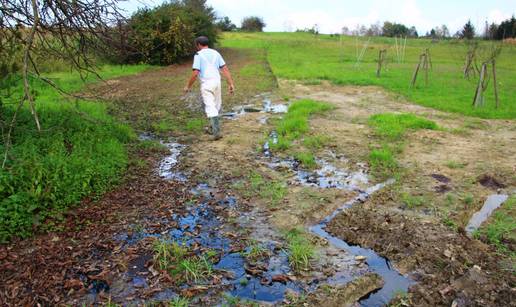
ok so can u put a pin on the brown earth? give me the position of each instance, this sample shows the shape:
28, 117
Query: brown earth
448, 266
51, 269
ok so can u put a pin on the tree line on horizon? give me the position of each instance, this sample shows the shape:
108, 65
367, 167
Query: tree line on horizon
493, 31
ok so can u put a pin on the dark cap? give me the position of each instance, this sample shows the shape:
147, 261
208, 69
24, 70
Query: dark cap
202, 40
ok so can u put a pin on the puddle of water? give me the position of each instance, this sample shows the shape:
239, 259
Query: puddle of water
274, 108
329, 176
492, 203
267, 107
166, 166
393, 280
326, 176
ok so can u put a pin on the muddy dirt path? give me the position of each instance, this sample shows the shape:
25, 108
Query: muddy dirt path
197, 193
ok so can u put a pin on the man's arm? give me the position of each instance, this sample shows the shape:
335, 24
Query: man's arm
191, 81
227, 75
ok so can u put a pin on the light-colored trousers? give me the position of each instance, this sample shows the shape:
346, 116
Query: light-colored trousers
211, 93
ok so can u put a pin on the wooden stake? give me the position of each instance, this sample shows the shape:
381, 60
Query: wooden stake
494, 83
381, 58
414, 77
479, 93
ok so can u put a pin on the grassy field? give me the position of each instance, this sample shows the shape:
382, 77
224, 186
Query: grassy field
79, 152
310, 58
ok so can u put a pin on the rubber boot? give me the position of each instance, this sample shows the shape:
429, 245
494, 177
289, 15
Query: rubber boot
215, 128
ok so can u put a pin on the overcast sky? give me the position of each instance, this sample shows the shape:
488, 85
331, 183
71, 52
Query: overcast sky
332, 15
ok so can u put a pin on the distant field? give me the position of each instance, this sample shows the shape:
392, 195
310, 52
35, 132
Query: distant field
303, 56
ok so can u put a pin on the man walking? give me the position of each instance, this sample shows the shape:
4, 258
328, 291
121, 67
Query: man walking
207, 65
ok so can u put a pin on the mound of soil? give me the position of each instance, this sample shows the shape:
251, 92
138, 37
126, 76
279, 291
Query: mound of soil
491, 182
447, 266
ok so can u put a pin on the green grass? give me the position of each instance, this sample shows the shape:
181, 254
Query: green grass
393, 127
316, 142
271, 191
178, 261
79, 152
501, 227
309, 58
413, 201
390, 130
455, 164
382, 161
179, 302
306, 159
295, 123
255, 252
301, 250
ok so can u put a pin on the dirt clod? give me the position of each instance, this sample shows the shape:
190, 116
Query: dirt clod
491, 182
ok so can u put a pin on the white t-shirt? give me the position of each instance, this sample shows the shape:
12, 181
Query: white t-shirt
208, 62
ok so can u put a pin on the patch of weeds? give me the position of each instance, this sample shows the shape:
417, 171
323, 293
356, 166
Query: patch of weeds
295, 122
401, 299
450, 200
306, 159
138, 163
316, 142
166, 254
301, 250
110, 303
196, 268
468, 200
243, 282
501, 227
138, 228
273, 191
455, 165
282, 144
255, 252
393, 126
151, 145
449, 222
382, 162
412, 201
473, 123
164, 126
179, 302
460, 131
233, 301
176, 259
195, 125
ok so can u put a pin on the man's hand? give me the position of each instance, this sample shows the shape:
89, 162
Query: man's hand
186, 90
231, 89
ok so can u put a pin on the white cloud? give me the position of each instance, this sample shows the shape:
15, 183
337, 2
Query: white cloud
497, 16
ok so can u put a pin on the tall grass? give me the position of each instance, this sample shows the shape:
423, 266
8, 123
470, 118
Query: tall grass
79, 152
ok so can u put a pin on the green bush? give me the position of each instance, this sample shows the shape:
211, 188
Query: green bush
164, 35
